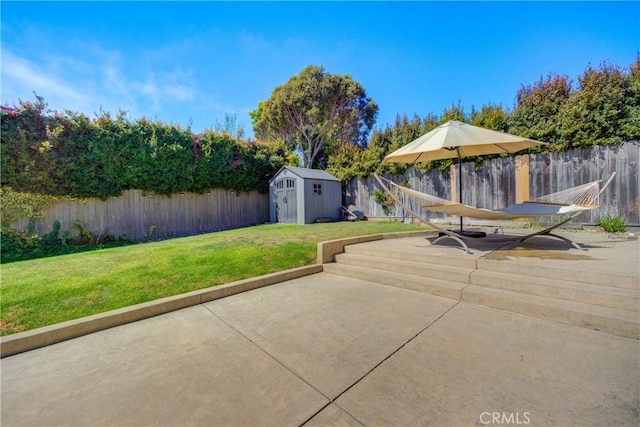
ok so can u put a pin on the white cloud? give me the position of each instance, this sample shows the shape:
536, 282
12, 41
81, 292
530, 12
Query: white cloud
21, 77
95, 80
180, 92
164, 89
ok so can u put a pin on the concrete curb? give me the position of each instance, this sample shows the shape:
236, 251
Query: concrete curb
36, 338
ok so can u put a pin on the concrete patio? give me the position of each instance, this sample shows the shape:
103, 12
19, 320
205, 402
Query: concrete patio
328, 349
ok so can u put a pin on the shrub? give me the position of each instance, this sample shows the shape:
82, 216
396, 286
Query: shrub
382, 198
612, 223
24, 245
15, 205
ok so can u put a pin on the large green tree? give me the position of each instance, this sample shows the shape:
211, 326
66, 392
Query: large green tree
315, 111
537, 106
491, 117
453, 112
604, 110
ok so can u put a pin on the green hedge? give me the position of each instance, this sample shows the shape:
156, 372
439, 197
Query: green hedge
71, 155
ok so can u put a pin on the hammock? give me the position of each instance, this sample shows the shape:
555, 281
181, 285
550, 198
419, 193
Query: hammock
570, 202
573, 200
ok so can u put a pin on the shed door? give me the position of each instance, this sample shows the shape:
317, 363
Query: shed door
286, 201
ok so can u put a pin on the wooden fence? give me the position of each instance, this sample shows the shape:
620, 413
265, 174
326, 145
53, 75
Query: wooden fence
493, 185
139, 216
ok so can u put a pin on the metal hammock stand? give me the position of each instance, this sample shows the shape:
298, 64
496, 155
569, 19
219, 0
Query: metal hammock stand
569, 203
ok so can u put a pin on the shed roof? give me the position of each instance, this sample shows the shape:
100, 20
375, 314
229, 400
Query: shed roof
306, 173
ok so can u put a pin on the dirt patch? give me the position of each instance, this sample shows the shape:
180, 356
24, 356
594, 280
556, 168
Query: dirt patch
506, 254
11, 322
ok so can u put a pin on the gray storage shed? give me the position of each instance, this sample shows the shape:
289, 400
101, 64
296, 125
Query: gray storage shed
303, 196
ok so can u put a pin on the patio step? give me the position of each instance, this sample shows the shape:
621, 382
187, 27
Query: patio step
437, 287
624, 323
587, 293
593, 295
411, 255
592, 276
420, 268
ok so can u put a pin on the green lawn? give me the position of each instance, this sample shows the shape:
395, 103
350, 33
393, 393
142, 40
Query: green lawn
46, 291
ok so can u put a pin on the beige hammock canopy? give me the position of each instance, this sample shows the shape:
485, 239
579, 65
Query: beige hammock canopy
569, 203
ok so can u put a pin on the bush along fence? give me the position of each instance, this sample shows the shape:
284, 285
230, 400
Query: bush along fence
500, 182
141, 216
72, 155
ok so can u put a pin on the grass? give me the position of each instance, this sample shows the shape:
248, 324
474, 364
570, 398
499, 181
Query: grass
612, 223
46, 291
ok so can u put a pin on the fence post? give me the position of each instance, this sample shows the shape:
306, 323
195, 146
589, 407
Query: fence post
454, 183
522, 178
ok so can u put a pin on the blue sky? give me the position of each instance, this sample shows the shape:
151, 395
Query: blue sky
190, 63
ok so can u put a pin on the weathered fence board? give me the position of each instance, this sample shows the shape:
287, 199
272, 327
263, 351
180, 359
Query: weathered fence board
134, 214
493, 185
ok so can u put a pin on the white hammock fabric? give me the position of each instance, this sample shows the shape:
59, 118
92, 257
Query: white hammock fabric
566, 202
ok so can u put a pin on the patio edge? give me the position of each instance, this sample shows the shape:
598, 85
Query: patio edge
47, 335
329, 249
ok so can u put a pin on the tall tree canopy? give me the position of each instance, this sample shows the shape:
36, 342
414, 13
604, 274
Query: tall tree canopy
491, 117
604, 110
537, 108
316, 110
